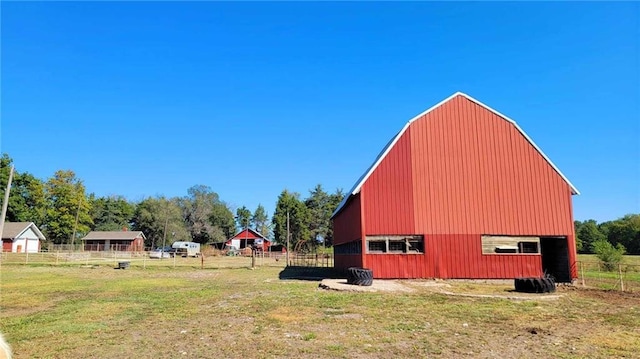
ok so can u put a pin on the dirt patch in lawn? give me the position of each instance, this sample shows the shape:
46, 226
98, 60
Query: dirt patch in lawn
477, 289
377, 286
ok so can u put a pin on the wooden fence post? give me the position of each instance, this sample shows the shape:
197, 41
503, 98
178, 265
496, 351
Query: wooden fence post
582, 272
620, 273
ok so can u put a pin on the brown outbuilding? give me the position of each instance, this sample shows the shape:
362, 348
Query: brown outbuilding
126, 241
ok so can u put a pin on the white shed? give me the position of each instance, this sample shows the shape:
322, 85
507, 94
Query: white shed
21, 237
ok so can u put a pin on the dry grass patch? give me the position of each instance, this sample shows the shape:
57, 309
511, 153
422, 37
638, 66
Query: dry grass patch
231, 313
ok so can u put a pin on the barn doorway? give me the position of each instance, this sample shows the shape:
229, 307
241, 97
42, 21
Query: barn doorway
555, 258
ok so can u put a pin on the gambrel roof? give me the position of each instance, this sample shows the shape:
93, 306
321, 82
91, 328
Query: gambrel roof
358, 185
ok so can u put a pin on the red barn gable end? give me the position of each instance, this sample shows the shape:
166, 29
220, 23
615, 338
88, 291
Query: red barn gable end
247, 238
460, 192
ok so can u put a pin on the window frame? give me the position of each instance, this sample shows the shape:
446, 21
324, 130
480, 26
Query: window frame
509, 245
407, 243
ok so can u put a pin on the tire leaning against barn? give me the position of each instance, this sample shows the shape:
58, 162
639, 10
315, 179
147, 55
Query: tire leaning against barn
359, 276
535, 285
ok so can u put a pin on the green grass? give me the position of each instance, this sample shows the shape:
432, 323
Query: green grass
159, 312
628, 259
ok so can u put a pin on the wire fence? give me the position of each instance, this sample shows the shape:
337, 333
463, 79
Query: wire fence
623, 277
209, 260
311, 260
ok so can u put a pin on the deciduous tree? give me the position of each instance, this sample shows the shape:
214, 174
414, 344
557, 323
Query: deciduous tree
222, 218
27, 202
587, 233
153, 214
198, 208
67, 201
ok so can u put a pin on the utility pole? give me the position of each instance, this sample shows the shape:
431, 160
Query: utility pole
246, 233
5, 204
164, 236
287, 254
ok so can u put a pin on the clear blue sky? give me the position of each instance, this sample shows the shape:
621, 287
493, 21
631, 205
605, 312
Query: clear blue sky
151, 98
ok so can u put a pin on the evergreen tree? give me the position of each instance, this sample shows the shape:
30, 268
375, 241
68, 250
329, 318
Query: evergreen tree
299, 219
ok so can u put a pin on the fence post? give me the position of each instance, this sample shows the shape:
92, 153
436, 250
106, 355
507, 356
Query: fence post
582, 272
57, 256
620, 274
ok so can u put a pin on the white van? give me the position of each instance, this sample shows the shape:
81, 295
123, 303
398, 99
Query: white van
186, 249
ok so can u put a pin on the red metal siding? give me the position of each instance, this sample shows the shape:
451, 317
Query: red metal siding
454, 256
458, 172
389, 192
7, 245
475, 173
347, 226
244, 234
389, 266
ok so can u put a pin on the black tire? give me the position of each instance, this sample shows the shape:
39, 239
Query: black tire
523, 285
359, 276
551, 285
546, 285
534, 285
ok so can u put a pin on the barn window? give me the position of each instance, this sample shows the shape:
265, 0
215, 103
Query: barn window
395, 244
377, 246
528, 247
510, 245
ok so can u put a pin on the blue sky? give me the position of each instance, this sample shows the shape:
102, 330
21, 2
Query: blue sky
151, 98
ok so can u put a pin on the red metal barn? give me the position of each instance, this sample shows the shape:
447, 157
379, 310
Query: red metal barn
247, 238
460, 192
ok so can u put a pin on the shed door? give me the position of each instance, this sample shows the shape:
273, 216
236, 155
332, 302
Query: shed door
32, 245
555, 258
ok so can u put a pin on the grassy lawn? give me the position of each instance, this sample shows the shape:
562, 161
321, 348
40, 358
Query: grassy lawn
596, 276
630, 260
161, 312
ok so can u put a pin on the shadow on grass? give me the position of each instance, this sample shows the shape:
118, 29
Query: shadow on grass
311, 273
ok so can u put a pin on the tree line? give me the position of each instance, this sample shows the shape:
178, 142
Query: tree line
622, 234
62, 209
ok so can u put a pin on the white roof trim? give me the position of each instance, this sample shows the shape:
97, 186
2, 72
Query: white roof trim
358, 185
35, 230
250, 229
